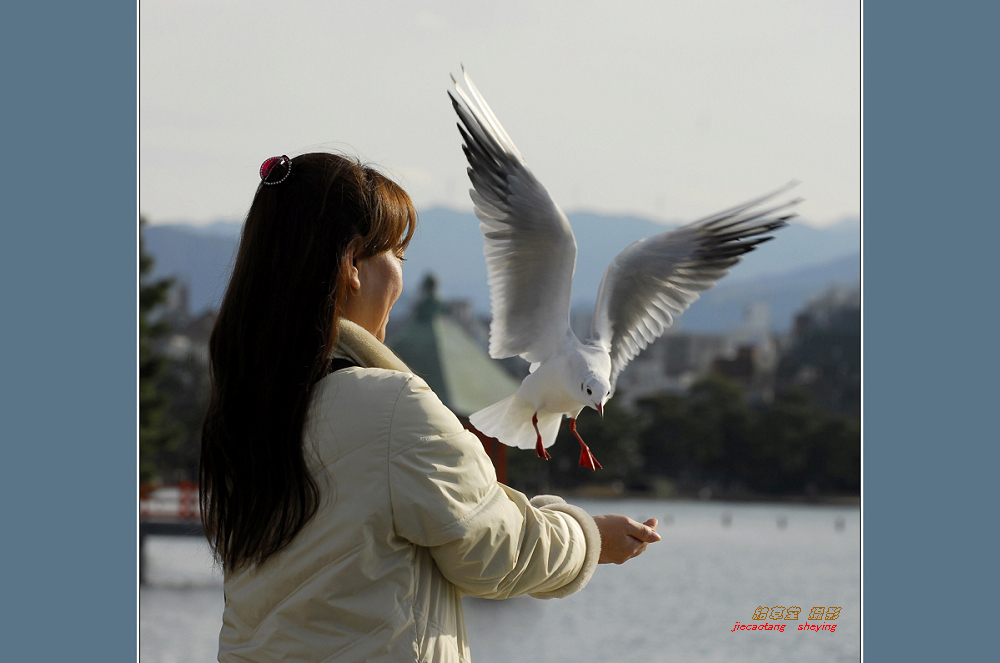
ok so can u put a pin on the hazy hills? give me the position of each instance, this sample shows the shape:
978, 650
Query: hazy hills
784, 273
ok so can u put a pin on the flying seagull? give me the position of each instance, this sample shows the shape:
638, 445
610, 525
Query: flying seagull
530, 257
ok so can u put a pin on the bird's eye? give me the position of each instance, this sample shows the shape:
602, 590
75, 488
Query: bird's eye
589, 392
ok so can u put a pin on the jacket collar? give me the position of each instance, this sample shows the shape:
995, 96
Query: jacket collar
357, 344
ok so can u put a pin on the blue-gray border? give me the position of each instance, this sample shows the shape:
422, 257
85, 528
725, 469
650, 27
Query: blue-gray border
931, 235
68, 273
67, 265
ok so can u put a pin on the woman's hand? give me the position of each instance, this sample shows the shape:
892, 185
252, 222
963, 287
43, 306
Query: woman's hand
623, 538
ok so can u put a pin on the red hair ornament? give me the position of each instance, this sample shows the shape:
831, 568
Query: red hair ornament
269, 164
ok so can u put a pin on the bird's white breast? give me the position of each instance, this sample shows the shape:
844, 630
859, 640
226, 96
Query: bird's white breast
547, 388
555, 384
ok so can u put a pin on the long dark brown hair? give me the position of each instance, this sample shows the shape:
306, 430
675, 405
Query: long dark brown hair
271, 341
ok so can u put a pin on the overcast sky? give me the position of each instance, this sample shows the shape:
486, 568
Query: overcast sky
668, 110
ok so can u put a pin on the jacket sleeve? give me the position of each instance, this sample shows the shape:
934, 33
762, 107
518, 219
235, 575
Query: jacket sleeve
486, 538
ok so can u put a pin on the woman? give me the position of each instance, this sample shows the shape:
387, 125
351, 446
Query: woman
349, 508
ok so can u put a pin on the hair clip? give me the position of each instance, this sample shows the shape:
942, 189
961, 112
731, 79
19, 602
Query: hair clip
269, 164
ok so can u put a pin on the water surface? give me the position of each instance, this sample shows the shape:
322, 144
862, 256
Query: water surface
679, 601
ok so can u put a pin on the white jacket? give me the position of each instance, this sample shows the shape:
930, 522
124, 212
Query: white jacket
411, 518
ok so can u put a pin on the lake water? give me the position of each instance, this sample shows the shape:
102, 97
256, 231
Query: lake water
679, 601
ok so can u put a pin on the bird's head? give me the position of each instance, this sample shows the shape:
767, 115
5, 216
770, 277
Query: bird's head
595, 392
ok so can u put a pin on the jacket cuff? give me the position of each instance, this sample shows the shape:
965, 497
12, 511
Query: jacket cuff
591, 535
539, 501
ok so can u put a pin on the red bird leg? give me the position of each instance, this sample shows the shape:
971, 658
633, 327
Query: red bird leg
539, 449
586, 458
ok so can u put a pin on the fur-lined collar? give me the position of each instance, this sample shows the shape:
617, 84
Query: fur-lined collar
358, 345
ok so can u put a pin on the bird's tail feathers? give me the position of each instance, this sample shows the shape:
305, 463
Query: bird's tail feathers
509, 421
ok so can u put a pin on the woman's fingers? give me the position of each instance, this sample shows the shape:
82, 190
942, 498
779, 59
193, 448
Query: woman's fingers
623, 538
645, 532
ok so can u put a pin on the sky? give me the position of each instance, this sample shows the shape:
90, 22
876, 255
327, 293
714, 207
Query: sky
661, 109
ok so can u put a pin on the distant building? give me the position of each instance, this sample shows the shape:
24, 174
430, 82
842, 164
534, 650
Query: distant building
452, 362
672, 363
753, 363
750, 370
188, 335
678, 359
742, 368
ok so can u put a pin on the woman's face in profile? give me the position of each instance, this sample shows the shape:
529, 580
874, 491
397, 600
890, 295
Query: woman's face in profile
378, 286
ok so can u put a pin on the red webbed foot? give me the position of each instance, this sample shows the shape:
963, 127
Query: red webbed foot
586, 458
539, 449
541, 452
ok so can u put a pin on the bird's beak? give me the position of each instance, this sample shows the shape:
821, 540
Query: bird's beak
600, 408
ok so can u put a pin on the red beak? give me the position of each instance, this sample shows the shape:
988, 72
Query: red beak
600, 408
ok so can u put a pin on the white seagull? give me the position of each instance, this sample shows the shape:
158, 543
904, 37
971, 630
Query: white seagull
530, 257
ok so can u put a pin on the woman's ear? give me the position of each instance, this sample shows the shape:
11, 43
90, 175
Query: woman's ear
353, 282
351, 258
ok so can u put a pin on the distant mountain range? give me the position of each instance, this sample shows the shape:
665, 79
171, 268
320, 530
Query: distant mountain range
801, 262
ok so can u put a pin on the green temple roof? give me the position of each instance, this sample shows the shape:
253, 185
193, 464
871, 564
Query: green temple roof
440, 351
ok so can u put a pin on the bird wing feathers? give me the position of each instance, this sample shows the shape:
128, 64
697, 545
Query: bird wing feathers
654, 280
529, 246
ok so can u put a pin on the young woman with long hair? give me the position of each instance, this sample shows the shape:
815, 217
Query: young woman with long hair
348, 507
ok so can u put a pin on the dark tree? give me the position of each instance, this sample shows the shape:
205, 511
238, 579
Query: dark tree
186, 385
157, 430
699, 438
825, 356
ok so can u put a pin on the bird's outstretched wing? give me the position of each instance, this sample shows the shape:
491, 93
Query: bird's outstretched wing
656, 279
529, 245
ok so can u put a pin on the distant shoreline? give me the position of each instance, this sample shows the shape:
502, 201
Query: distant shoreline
610, 493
